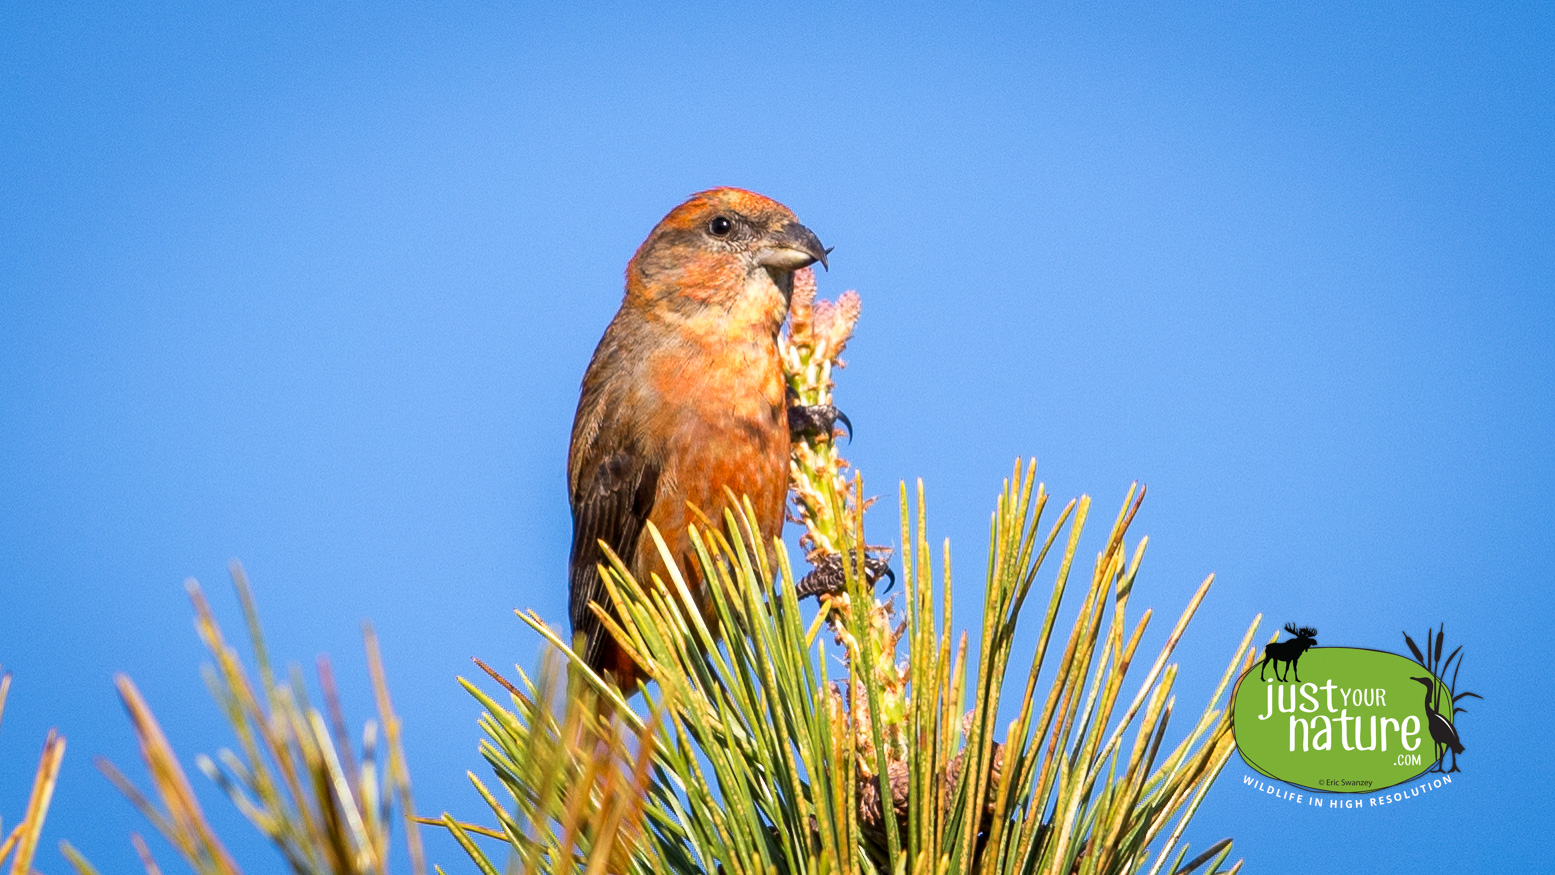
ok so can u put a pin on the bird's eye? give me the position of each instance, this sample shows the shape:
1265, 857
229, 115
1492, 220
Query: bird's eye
720, 226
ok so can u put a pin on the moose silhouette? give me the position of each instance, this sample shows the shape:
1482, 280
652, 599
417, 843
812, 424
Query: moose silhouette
1288, 651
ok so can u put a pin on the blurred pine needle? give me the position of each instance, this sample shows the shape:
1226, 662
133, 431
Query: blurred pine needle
20, 844
295, 775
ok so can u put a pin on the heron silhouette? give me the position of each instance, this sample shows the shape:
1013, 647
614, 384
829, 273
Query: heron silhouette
1442, 732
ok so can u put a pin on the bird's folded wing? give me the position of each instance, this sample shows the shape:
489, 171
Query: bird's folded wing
610, 504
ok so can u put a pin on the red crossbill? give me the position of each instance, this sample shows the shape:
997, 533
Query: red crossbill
684, 398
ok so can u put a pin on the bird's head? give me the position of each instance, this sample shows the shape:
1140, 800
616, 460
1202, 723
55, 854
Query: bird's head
1430, 683
726, 247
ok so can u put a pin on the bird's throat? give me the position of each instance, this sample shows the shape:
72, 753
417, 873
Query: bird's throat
764, 304
783, 280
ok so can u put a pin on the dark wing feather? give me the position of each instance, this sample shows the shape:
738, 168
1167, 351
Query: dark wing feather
611, 504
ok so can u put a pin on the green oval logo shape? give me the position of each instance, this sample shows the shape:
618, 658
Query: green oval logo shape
1357, 720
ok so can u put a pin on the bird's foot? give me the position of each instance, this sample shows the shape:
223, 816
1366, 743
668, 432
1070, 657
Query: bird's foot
815, 420
829, 578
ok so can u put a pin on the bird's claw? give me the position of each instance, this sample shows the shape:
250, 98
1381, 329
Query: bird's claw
829, 578
816, 419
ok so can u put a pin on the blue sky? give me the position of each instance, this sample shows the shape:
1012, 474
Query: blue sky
314, 288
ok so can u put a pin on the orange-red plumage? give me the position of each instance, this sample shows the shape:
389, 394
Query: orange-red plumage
684, 396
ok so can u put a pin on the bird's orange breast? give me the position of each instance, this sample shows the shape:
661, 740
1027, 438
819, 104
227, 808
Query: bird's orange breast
726, 423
